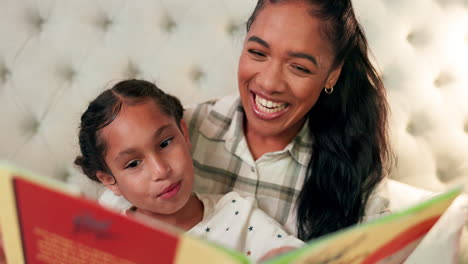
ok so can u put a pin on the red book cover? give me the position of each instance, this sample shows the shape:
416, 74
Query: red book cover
58, 228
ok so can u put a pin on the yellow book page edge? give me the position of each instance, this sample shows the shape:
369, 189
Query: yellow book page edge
353, 246
192, 250
9, 222
9, 219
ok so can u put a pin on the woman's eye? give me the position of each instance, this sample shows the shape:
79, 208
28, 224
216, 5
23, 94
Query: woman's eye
300, 68
133, 164
256, 53
166, 143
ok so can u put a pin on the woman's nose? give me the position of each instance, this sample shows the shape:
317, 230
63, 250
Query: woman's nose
270, 78
160, 169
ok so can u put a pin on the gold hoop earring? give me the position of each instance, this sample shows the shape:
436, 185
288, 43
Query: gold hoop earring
328, 90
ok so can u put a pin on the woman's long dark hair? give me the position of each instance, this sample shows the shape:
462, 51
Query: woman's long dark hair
350, 152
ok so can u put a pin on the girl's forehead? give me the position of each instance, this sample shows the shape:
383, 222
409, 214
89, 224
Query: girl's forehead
142, 112
137, 118
136, 126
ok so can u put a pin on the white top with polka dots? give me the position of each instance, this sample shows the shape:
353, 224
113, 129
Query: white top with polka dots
237, 223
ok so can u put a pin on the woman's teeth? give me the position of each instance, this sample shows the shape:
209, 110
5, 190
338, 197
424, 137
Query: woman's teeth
267, 106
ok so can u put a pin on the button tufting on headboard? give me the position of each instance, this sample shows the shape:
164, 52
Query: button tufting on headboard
419, 124
168, 24
443, 79
67, 73
4, 73
35, 20
104, 23
419, 38
233, 28
132, 71
197, 74
449, 169
31, 126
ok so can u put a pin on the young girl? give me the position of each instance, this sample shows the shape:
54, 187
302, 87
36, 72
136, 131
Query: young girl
134, 141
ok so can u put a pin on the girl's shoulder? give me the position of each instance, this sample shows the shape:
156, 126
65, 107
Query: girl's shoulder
218, 202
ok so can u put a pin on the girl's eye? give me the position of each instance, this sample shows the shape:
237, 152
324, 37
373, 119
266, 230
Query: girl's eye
133, 164
166, 143
301, 69
256, 53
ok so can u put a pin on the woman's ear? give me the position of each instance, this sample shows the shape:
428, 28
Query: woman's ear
109, 181
333, 76
185, 132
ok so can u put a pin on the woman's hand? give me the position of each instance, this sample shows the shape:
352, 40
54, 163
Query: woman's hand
275, 252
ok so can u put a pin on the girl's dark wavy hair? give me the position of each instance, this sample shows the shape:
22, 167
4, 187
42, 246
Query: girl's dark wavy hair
105, 108
350, 152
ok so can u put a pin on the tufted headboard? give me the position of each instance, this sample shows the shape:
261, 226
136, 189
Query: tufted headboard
55, 56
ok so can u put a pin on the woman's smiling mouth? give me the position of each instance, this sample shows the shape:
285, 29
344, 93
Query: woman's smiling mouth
267, 109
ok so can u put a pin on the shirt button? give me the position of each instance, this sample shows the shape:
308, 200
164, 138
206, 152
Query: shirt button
252, 169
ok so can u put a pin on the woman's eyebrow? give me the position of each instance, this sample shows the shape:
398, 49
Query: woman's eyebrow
259, 41
304, 56
292, 54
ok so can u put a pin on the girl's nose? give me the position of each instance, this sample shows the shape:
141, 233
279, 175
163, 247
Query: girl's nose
160, 169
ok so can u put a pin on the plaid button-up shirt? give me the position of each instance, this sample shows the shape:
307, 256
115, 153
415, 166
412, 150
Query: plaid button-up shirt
223, 162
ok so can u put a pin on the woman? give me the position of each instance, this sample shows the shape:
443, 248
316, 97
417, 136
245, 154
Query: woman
308, 135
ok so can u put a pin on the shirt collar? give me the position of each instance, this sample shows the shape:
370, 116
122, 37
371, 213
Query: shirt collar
225, 123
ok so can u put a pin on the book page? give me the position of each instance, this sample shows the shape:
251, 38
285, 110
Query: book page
388, 240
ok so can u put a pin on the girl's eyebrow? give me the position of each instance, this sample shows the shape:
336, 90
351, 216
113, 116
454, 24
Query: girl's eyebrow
160, 130
130, 151
125, 152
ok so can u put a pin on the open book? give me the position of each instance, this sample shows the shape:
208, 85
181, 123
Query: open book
46, 221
